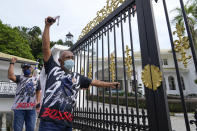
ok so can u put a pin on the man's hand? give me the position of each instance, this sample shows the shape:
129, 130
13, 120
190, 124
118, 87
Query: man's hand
13, 60
37, 107
115, 84
47, 23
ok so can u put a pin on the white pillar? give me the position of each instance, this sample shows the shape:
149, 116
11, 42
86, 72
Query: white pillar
3, 127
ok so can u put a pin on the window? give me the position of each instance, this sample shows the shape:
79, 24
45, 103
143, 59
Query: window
171, 82
182, 83
165, 62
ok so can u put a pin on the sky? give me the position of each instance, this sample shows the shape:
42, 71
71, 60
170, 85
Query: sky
74, 15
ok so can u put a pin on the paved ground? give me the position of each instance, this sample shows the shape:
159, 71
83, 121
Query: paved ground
178, 123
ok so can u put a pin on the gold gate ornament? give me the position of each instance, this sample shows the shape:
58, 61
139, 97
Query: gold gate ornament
90, 71
182, 45
151, 75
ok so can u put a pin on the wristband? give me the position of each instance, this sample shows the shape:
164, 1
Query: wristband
11, 63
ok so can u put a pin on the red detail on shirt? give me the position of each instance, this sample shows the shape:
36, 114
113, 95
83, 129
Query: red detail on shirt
55, 114
25, 105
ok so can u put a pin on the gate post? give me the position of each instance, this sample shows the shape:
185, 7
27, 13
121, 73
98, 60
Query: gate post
156, 99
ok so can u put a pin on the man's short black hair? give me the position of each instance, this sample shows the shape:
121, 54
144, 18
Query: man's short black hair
25, 65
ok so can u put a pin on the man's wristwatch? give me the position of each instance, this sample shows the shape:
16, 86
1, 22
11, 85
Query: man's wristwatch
11, 63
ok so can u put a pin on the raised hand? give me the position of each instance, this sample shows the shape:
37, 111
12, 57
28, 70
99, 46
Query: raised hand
49, 21
13, 60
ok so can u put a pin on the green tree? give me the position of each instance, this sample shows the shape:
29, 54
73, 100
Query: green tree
33, 36
69, 43
191, 12
60, 42
11, 42
24, 42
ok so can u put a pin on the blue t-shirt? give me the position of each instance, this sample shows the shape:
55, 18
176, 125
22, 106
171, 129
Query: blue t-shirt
61, 93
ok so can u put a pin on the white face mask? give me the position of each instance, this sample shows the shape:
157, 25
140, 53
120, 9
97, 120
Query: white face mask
68, 64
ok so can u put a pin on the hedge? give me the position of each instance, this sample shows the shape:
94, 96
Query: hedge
174, 104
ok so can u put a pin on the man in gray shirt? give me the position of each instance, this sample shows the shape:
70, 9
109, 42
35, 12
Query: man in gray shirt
26, 98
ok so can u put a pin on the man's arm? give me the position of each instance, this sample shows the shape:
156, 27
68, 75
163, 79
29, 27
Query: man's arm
46, 41
38, 93
11, 75
38, 96
38, 99
99, 83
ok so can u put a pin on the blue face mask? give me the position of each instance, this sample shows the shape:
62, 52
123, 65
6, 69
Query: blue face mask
68, 64
27, 72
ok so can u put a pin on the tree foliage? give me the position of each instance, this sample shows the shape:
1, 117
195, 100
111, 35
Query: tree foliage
11, 42
24, 42
191, 12
68, 43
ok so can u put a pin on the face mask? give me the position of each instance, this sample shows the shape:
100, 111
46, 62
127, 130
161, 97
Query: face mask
27, 72
68, 64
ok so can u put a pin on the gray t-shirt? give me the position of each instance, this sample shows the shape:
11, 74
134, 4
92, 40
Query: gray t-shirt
25, 97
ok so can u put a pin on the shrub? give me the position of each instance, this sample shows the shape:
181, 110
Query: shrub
195, 81
175, 105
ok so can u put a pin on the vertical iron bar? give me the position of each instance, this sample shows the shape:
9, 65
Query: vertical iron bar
92, 70
125, 81
103, 78
87, 91
191, 43
97, 79
108, 40
117, 99
77, 72
84, 75
80, 74
177, 67
133, 65
156, 101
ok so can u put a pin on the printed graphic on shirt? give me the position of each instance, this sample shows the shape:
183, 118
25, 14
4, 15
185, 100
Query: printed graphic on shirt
56, 114
25, 93
61, 93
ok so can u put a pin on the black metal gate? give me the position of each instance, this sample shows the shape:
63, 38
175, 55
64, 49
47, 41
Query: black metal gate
111, 49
